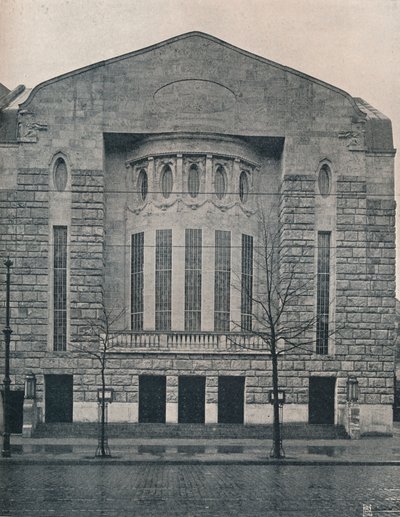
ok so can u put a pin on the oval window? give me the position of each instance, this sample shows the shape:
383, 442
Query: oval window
243, 187
60, 175
166, 181
193, 181
220, 183
142, 184
324, 180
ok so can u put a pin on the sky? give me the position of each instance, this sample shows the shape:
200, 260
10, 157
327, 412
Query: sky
352, 44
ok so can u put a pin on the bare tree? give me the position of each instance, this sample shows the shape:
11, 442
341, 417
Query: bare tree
282, 292
96, 341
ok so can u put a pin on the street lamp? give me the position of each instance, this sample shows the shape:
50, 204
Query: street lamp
30, 386
6, 452
277, 450
104, 397
353, 410
352, 389
108, 395
281, 397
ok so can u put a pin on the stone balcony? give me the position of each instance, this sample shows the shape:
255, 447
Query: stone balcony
187, 343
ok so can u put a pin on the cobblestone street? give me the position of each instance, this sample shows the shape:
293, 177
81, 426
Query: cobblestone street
199, 490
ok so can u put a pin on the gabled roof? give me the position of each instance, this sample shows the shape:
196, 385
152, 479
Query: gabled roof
3, 91
195, 34
9, 97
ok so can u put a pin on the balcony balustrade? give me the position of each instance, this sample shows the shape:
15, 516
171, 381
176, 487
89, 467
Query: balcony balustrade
187, 342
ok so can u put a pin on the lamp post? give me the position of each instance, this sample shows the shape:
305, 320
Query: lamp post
352, 389
30, 386
353, 411
104, 397
277, 450
6, 452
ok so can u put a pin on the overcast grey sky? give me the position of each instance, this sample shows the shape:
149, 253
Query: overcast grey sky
352, 44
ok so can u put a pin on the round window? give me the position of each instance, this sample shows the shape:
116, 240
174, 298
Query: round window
220, 183
193, 181
166, 181
324, 180
60, 175
142, 184
243, 187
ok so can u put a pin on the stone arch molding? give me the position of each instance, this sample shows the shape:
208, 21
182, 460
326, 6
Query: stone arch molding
52, 167
325, 163
194, 96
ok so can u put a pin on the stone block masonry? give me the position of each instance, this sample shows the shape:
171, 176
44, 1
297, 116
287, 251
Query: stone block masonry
271, 130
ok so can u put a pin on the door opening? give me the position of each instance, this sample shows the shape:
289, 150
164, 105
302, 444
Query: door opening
191, 401
152, 393
322, 400
16, 410
58, 398
230, 399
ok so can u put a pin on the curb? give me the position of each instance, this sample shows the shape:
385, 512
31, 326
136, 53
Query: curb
114, 461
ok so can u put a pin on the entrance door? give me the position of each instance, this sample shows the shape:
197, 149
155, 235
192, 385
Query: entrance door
230, 400
322, 400
58, 398
16, 409
191, 402
152, 392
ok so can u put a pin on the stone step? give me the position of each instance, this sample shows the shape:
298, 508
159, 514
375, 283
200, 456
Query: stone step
125, 430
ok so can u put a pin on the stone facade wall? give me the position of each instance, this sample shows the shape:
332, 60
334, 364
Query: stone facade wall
96, 117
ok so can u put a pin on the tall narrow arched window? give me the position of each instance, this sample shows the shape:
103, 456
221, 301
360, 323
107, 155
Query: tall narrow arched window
142, 184
220, 182
193, 181
243, 187
60, 174
167, 181
324, 180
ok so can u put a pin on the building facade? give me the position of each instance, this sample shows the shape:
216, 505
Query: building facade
142, 186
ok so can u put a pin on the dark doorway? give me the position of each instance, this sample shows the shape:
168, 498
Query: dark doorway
58, 398
230, 400
321, 405
16, 410
152, 392
191, 402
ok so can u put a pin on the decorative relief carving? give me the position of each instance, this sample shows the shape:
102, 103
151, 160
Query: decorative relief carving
354, 138
193, 187
180, 197
165, 182
28, 128
193, 96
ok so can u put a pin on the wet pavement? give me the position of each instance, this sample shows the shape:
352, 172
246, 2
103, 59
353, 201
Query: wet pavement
375, 451
209, 477
190, 490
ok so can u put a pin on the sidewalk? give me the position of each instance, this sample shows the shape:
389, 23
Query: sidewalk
75, 451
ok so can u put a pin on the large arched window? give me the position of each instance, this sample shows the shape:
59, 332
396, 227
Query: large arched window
60, 174
167, 181
193, 181
243, 187
220, 182
324, 180
142, 184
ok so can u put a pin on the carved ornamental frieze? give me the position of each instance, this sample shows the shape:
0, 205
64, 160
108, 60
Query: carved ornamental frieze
28, 127
190, 180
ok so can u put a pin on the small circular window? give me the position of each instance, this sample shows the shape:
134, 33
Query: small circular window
60, 175
166, 181
142, 184
243, 187
220, 182
324, 180
193, 181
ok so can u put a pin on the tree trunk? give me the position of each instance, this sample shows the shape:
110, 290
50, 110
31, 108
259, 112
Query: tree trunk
103, 415
276, 430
